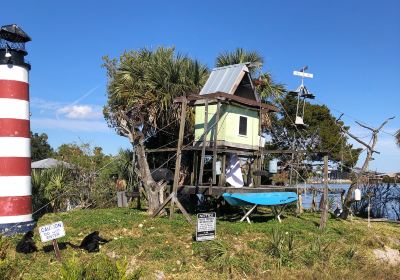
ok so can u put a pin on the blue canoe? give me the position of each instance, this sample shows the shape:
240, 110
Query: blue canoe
265, 199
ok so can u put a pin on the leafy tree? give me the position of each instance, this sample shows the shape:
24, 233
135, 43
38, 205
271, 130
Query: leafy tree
142, 85
41, 149
321, 134
92, 182
398, 137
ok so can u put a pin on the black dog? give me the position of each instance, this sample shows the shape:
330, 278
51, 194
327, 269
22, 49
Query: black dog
91, 242
26, 245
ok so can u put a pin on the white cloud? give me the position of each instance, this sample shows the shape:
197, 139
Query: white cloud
44, 104
80, 112
71, 125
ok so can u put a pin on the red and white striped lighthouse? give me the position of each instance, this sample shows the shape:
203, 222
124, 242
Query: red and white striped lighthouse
15, 145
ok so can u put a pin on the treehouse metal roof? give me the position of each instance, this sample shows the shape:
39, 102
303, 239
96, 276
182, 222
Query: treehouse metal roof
227, 79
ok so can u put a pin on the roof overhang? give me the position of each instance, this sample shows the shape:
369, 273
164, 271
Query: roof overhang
195, 99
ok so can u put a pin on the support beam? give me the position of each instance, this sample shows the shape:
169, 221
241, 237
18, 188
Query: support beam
214, 163
203, 149
178, 155
173, 197
222, 177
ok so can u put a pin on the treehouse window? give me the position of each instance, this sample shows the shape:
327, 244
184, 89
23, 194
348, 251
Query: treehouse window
243, 126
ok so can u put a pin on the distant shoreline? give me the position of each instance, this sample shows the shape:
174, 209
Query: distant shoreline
331, 182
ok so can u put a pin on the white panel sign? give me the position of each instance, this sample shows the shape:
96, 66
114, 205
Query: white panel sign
206, 226
303, 74
52, 231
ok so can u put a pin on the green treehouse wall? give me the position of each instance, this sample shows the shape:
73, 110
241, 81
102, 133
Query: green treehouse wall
228, 126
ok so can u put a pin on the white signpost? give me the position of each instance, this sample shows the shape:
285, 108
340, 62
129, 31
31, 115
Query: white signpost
303, 74
206, 226
50, 233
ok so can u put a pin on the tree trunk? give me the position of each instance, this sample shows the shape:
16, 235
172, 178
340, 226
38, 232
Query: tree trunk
370, 150
150, 186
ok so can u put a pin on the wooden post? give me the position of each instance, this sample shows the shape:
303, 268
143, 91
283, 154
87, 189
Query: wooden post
299, 203
324, 214
193, 176
222, 177
214, 163
173, 197
203, 149
178, 156
56, 249
259, 167
313, 204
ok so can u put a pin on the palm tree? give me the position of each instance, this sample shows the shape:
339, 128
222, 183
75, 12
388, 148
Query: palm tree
238, 56
266, 87
141, 88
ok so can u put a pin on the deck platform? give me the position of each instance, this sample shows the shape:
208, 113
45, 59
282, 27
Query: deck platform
218, 191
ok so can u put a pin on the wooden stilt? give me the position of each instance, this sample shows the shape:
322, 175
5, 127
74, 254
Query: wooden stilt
222, 177
214, 163
173, 196
203, 149
193, 176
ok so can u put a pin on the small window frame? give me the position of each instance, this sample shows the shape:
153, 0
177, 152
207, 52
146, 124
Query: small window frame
243, 125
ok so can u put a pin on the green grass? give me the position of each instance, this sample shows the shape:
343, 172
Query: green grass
141, 247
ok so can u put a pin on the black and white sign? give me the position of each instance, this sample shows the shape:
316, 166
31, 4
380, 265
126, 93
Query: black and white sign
206, 226
52, 231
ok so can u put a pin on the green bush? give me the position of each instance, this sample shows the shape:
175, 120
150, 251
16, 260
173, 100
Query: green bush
99, 267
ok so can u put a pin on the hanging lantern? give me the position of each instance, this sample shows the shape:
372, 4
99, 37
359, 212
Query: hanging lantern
218, 167
273, 166
357, 195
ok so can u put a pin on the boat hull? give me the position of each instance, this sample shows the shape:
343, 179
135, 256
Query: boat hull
265, 199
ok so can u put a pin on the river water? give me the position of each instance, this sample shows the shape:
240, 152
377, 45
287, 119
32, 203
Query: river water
384, 203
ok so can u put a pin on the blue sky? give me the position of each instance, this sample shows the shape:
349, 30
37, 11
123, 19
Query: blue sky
352, 47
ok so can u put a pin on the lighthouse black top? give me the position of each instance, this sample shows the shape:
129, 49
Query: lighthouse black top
13, 33
12, 45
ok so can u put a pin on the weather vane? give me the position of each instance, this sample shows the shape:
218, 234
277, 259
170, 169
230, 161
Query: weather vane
302, 93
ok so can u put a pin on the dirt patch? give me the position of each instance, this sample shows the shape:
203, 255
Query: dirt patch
387, 255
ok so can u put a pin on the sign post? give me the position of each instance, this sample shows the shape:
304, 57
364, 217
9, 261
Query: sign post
206, 226
50, 233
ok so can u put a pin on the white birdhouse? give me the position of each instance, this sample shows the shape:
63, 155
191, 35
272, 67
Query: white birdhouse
273, 166
357, 195
299, 120
218, 167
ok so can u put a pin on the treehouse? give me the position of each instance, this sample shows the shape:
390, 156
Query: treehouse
229, 117
230, 110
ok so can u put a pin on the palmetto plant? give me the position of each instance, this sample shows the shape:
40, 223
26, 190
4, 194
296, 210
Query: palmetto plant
47, 186
238, 56
266, 87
